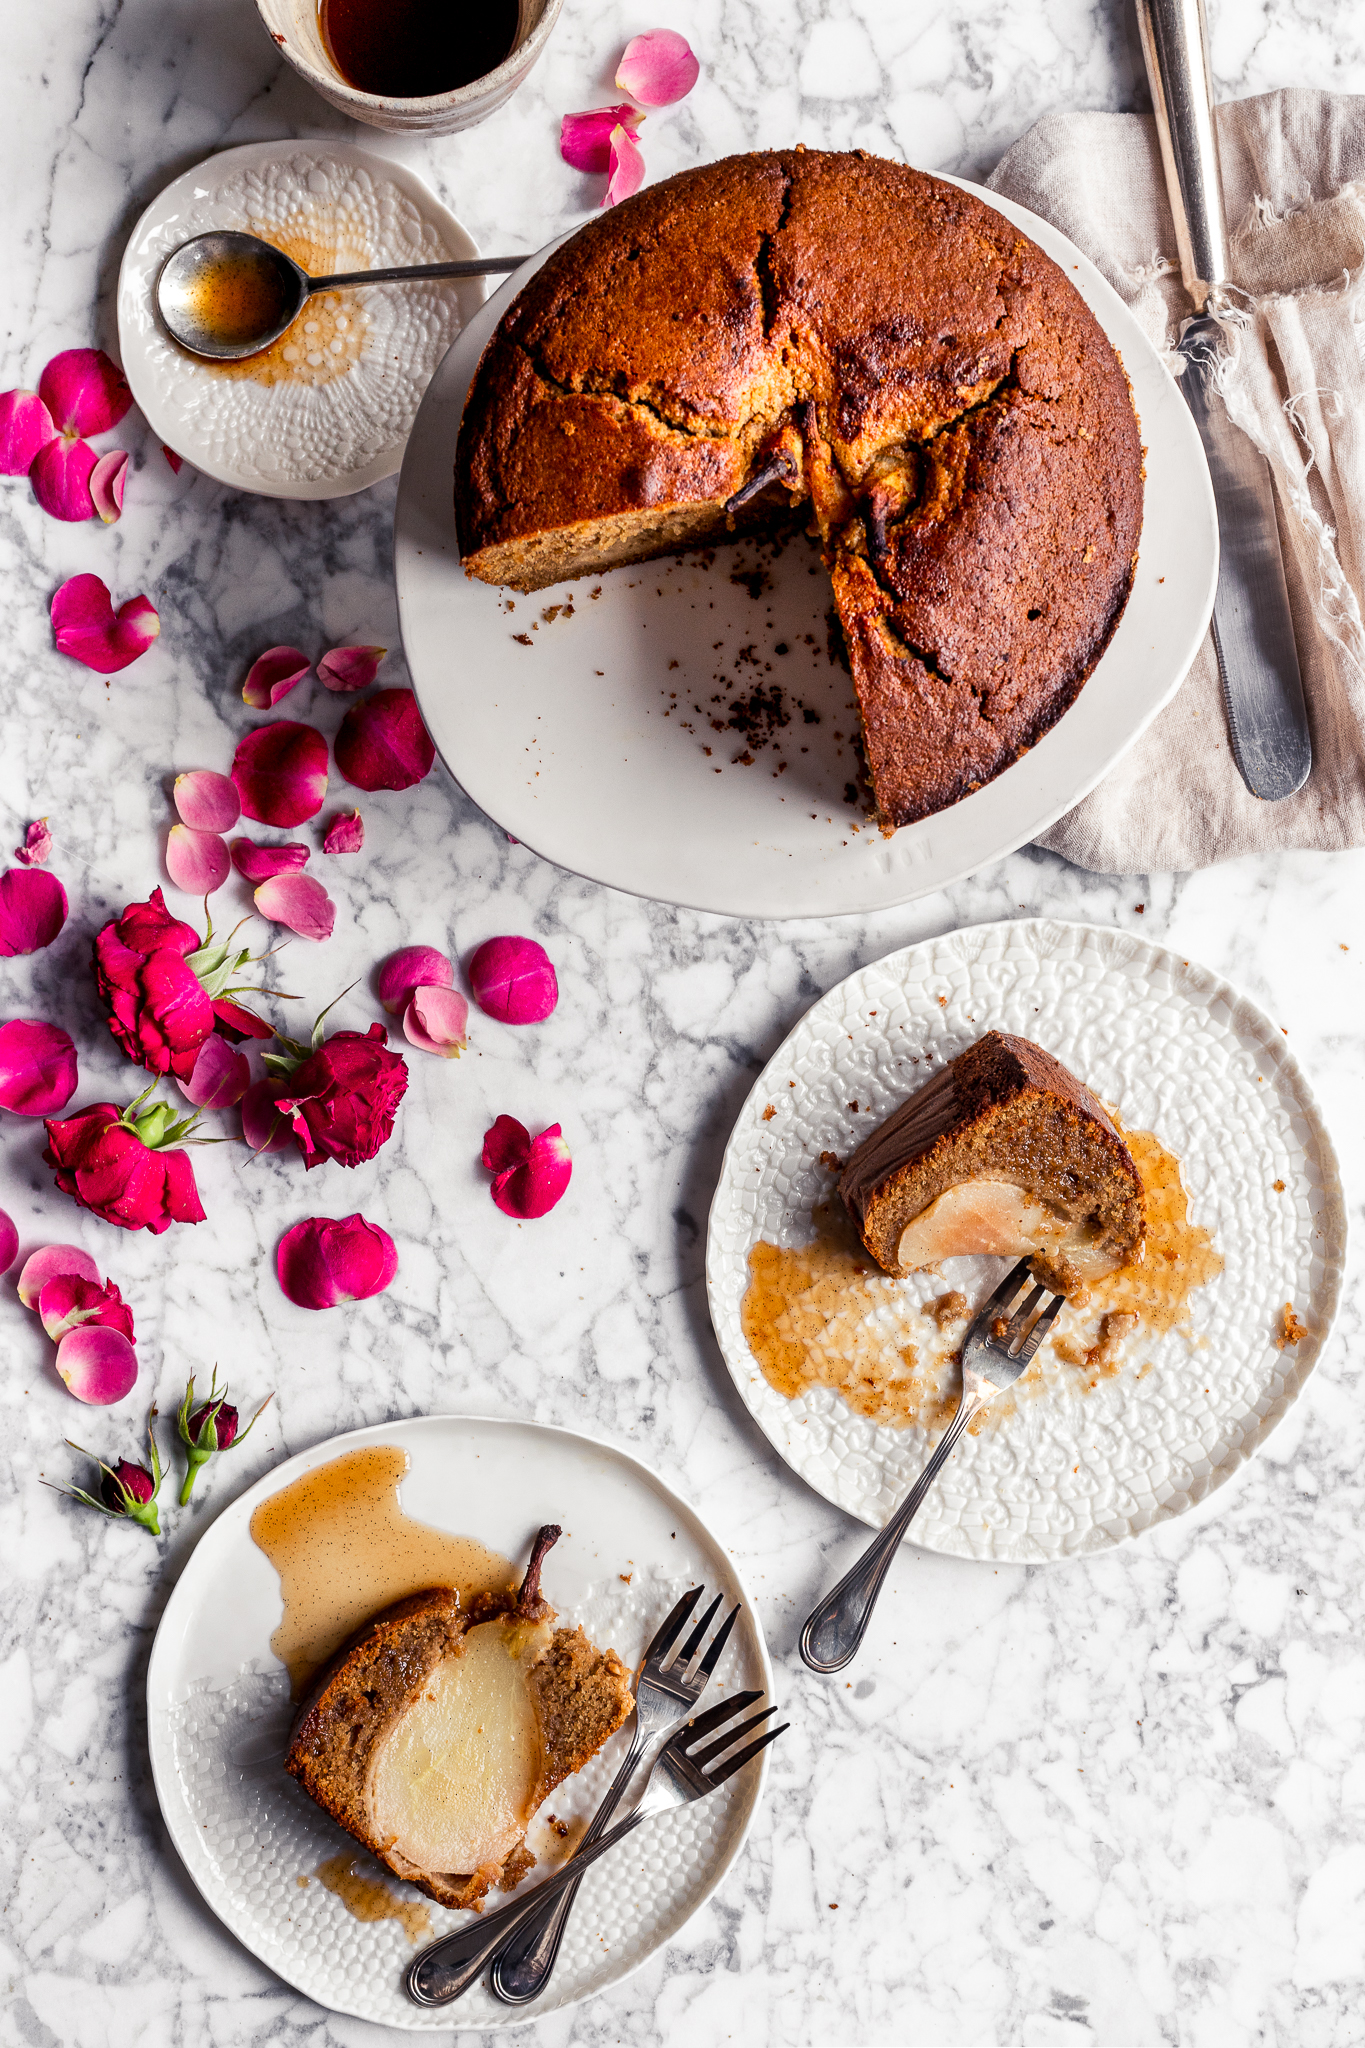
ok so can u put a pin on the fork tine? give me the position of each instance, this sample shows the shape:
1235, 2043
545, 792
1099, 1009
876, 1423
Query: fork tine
1022, 1314
670, 1628
702, 1757
713, 1717
1006, 1291
697, 1637
737, 1763
721, 1638
1040, 1329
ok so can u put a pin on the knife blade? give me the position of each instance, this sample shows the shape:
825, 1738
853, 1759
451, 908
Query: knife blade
1253, 630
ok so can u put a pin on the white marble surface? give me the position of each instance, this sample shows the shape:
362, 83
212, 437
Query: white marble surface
1118, 1802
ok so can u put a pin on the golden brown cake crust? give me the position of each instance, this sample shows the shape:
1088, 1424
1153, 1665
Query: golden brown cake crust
883, 349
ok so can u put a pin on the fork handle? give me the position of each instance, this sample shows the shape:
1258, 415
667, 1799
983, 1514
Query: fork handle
837, 1624
448, 1967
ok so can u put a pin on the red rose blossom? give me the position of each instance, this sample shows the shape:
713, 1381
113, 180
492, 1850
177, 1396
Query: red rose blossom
121, 1164
163, 985
341, 1098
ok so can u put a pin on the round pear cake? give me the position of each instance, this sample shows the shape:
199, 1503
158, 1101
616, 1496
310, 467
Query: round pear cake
834, 338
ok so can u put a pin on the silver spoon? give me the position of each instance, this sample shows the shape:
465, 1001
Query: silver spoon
227, 295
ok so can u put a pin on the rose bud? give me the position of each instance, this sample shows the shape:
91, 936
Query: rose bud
211, 1427
161, 982
126, 1489
123, 1165
341, 1095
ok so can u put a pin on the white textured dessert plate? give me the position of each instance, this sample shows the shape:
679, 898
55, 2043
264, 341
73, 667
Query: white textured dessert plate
327, 410
1075, 1467
218, 1713
588, 735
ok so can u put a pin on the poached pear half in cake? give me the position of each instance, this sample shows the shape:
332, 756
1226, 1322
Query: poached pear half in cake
1004, 1151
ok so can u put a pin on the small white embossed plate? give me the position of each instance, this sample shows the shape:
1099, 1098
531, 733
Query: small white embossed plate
1074, 1468
328, 410
218, 1716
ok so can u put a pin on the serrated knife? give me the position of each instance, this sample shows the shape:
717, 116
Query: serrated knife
1253, 633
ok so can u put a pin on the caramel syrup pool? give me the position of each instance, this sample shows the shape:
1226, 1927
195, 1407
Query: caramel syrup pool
368, 1898
344, 1548
240, 297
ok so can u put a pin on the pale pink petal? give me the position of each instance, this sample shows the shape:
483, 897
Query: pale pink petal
32, 910
345, 834
506, 1144
626, 167
534, 1186
514, 980
206, 800
99, 1365
298, 902
383, 743
413, 967
259, 863
89, 630
9, 1242
174, 460
266, 1128
60, 477
350, 668
37, 1067
36, 850
107, 480
281, 773
45, 1265
196, 862
84, 391
321, 1262
585, 139
25, 427
436, 1020
221, 1076
273, 675
659, 68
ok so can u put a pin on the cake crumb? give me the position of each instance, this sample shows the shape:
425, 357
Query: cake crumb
947, 1308
770, 1112
523, 639
1292, 1329
1278, 1186
832, 1162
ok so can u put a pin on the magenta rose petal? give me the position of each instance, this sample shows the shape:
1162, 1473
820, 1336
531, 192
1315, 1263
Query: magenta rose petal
45, 1265
281, 773
25, 427
437, 1020
345, 834
514, 980
9, 1242
107, 480
585, 139
173, 459
350, 668
273, 675
321, 1263
196, 862
259, 863
220, 1078
298, 902
658, 69
532, 1187
68, 1301
206, 801
411, 968
32, 910
37, 1067
506, 1144
89, 629
60, 477
265, 1126
97, 1364
36, 850
236, 1023
625, 167
383, 743
85, 392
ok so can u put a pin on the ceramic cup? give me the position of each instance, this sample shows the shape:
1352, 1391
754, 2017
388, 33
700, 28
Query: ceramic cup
294, 25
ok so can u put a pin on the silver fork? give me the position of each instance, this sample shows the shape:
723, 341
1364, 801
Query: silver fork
669, 1688
687, 1768
990, 1363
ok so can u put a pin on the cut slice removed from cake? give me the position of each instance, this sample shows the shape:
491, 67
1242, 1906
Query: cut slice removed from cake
1003, 1152
436, 1732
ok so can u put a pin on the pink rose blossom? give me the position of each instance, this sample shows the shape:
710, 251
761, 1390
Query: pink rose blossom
321, 1263
122, 1165
37, 1068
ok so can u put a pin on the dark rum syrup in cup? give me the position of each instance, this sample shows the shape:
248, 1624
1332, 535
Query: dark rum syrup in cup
411, 49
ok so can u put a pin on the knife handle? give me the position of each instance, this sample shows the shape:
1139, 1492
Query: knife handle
1175, 46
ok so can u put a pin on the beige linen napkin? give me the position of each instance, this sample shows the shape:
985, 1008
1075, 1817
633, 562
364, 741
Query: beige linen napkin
1294, 185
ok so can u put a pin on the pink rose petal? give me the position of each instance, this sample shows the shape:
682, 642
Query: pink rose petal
321, 1263
259, 863
107, 480
585, 139
220, 1078
506, 1143
206, 801
25, 427
350, 668
383, 743
45, 1265
235, 1023
281, 773
99, 1365
174, 460
68, 1302
9, 1242
436, 1020
658, 69
37, 1067
414, 967
196, 862
529, 1174
36, 850
32, 910
626, 167
345, 834
84, 391
60, 477
273, 675
298, 902
514, 980
89, 630
266, 1128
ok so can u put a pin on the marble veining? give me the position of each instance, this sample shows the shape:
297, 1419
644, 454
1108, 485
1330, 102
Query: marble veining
1112, 1802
